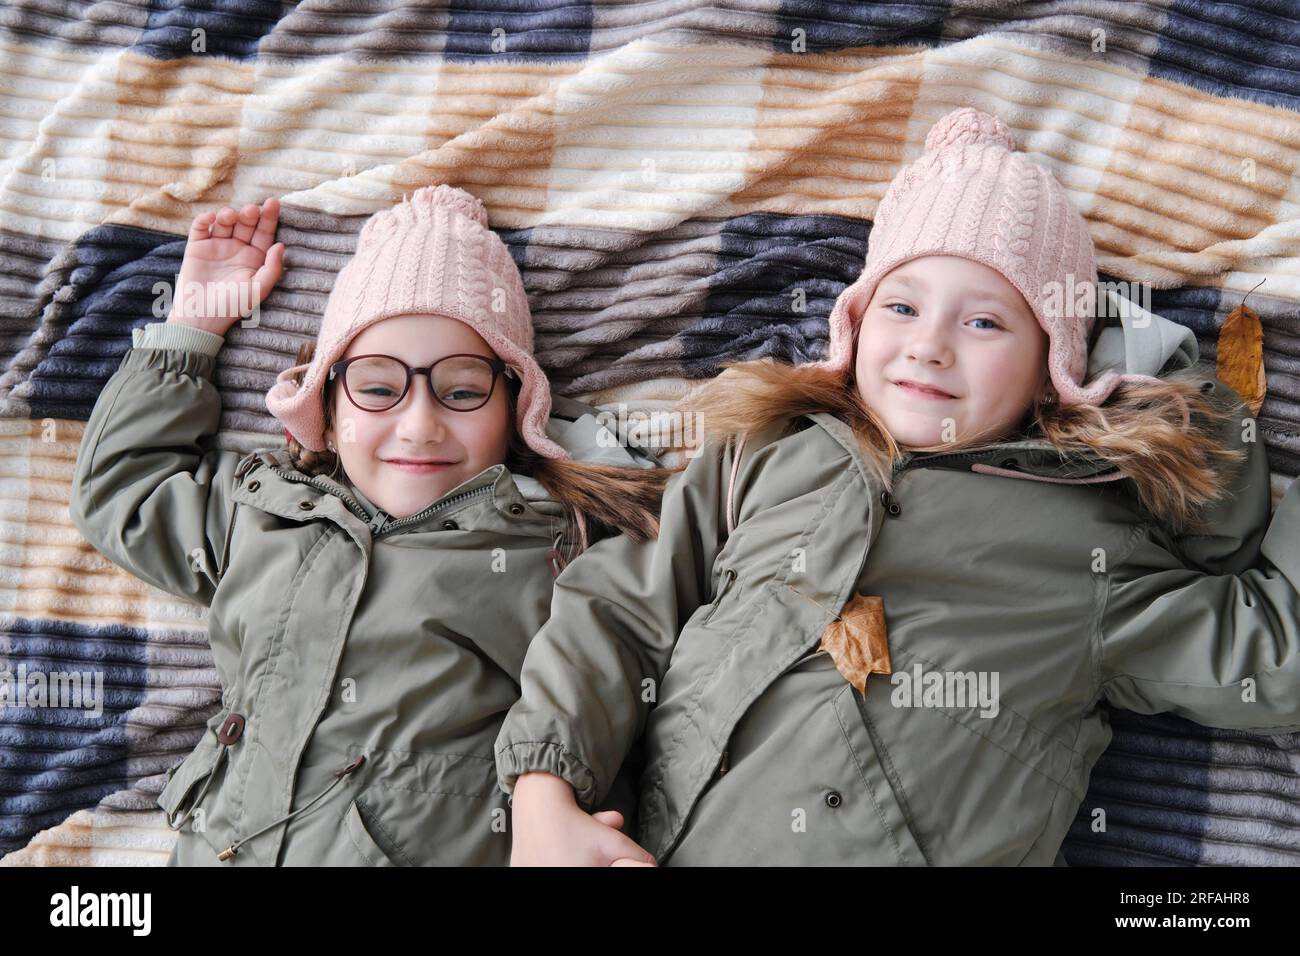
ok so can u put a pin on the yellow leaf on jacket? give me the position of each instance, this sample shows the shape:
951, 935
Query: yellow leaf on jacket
857, 640
1240, 358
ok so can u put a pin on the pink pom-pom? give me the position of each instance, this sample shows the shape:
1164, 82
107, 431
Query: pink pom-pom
468, 205
968, 127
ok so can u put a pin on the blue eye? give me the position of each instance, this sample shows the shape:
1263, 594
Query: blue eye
984, 318
903, 305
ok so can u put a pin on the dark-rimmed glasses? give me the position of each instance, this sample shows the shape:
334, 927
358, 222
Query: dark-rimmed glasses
462, 382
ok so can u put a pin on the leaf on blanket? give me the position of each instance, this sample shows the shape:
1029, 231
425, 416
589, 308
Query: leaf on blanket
857, 640
1240, 360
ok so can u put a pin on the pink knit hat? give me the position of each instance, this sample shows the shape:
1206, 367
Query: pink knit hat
432, 253
972, 195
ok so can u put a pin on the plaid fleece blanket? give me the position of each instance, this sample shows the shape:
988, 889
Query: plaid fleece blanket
680, 183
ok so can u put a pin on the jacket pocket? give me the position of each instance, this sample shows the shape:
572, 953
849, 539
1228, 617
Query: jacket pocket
179, 796
366, 845
976, 785
426, 808
728, 578
798, 784
849, 704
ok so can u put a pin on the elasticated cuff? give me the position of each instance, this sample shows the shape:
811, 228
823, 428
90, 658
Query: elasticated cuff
171, 335
539, 755
181, 361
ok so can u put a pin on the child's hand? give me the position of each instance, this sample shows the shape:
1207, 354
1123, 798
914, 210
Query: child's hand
550, 829
229, 256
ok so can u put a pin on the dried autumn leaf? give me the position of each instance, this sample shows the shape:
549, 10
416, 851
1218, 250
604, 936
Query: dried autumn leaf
1240, 360
858, 641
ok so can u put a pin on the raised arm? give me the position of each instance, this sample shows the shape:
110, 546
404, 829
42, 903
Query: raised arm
144, 492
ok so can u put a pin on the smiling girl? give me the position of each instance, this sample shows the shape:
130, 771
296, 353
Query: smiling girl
373, 585
955, 498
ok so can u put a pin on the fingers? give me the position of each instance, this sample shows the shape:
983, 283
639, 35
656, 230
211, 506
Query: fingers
253, 224
246, 222
224, 224
611, 818
624, 861
265, 278
269, 215
200, 226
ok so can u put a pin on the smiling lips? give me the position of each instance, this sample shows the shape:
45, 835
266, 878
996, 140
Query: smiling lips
419, 467
923, 391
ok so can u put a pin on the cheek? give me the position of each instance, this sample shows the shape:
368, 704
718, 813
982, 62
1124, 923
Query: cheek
357, 434
869, 356
489, 434
1006, 377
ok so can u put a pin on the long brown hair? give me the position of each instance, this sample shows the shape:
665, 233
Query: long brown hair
611, 499
1169, 436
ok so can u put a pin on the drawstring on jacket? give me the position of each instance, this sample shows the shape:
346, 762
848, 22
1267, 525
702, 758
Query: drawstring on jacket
231, 850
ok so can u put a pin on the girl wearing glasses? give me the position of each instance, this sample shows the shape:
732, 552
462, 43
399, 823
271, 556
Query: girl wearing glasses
881, 622
373, 585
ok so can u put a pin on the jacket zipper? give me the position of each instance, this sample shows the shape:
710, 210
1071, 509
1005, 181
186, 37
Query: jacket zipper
380, 522
923, 462
351, 502
967, 456
385, 525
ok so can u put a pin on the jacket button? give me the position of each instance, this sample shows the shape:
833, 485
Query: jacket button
891, 504
449, 525
833, 799
306, 505
232, 728
516, 509
254, 485
1207, 387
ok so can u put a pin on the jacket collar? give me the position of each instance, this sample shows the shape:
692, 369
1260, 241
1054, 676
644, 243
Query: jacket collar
1144, 344
266, 479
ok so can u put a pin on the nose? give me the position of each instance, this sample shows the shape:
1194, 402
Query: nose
420, 416
929, 341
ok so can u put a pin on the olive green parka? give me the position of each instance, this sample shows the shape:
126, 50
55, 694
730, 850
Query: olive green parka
365, 661
1021, 591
